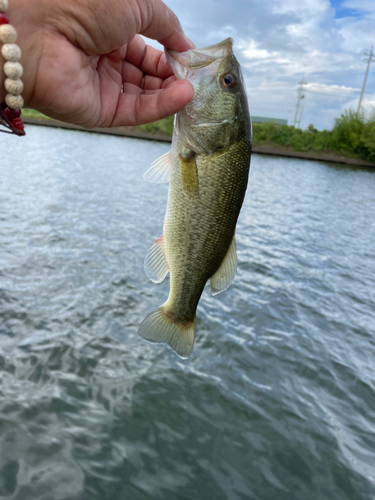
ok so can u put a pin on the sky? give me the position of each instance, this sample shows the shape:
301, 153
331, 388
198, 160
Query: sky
280, 42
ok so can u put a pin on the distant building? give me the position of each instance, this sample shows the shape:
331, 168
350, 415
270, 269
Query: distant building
262, 119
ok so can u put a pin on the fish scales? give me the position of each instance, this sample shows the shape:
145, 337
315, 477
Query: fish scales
208, 170
198, 228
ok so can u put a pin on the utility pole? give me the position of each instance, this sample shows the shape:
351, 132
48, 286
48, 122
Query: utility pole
301, 95
300, 117
369, 61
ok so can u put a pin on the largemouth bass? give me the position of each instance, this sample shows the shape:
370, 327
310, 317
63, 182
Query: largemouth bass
208, 168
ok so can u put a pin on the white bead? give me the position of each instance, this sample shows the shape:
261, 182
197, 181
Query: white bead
8, 34
4, 5
11, 52
14, 87
14, 101
13, 70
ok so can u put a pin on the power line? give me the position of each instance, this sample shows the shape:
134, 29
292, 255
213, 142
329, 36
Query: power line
369, 61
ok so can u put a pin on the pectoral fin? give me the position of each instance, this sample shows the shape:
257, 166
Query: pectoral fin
160, 170
189, 172
155, 265
224, 276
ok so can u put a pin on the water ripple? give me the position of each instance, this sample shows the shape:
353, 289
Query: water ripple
278, 398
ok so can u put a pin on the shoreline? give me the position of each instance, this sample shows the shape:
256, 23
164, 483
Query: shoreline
263, 149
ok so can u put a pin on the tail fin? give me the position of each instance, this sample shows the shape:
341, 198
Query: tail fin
160, 329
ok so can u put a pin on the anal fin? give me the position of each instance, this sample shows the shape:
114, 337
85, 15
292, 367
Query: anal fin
160, 170
224, 276
155, 265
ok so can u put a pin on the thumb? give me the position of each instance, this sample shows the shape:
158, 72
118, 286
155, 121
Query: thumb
161, 24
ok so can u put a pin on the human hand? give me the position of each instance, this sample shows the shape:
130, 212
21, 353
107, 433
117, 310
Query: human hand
78, 55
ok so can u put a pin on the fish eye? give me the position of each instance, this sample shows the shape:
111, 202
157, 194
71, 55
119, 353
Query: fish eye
228, 80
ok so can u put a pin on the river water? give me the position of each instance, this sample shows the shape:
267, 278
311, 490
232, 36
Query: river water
278, 398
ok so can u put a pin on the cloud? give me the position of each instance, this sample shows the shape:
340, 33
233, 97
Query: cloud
366, 6
278, 42
253, 52
289, 63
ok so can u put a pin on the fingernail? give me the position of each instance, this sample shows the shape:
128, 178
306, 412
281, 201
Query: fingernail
192, 44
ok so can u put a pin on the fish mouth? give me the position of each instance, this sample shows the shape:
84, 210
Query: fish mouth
182, 62
217, 46
207, 124
199, 58
213, 124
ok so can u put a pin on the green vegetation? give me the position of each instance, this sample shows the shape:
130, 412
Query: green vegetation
352, 135
31, 113
160, 127
164, 127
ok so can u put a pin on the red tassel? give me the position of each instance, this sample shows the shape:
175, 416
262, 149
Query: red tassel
17, 124
11, 114
11, 119
4, 19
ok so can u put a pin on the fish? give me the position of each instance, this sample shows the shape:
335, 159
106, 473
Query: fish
208, 169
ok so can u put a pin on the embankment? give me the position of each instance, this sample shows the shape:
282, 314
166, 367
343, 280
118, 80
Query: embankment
264, 149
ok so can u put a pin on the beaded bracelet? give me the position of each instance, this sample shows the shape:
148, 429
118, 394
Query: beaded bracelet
10, 110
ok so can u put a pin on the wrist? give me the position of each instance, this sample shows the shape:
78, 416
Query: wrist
22, 18
4, 19
2, 79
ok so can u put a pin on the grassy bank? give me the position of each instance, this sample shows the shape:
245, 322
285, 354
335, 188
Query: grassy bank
160, 127
352, 136
31, 113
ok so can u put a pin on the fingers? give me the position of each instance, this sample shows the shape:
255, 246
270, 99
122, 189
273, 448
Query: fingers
98, 27
161, 24
152, 86
149, 60
133, 75
137, 107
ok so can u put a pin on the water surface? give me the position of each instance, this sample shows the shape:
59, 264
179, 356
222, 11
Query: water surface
277, 400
